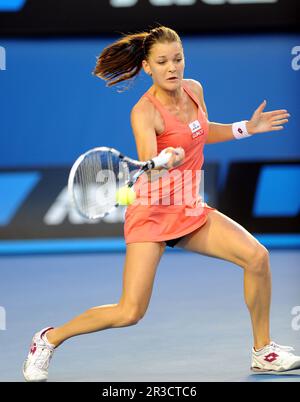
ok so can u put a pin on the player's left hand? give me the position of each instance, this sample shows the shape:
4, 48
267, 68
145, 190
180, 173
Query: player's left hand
262, 122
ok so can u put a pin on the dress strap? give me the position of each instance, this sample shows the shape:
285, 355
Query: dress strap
195, 99
190, 93
164, 113
156, 102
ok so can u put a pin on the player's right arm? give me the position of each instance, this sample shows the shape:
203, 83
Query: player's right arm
142, 122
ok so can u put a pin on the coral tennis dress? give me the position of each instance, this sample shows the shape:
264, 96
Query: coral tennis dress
171, 207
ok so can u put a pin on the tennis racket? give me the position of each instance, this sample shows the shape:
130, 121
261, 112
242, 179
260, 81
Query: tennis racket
96, 176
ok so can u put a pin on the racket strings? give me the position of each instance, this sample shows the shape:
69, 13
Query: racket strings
96, 181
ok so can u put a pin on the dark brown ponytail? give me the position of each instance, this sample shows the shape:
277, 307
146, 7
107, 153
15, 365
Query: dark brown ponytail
122, 60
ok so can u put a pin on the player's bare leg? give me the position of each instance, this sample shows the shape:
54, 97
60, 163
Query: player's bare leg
223, 238
139, 272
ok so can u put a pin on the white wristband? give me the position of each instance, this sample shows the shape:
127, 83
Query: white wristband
239, 130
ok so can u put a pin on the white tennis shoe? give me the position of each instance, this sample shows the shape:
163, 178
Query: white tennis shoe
35, 367
274, 358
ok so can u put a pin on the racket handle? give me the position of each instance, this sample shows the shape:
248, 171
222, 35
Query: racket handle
161, 159
158, 161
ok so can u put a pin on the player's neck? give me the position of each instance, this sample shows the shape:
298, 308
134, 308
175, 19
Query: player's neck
166, 97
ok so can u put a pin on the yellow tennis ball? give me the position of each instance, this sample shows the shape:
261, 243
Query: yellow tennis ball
125, 196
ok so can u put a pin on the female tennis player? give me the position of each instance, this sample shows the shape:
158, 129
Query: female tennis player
172, 114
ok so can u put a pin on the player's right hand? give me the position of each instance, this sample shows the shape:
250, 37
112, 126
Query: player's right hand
177, 157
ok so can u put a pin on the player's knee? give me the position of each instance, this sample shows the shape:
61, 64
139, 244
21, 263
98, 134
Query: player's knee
258, 261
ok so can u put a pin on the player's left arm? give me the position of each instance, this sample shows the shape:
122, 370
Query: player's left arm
260, 122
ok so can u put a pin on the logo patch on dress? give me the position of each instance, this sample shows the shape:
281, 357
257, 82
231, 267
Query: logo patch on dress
196, 128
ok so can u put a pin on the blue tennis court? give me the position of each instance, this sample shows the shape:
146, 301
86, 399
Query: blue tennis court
197, 327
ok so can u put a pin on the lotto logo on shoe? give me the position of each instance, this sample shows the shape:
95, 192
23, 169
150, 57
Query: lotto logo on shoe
33, 348
271, 357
